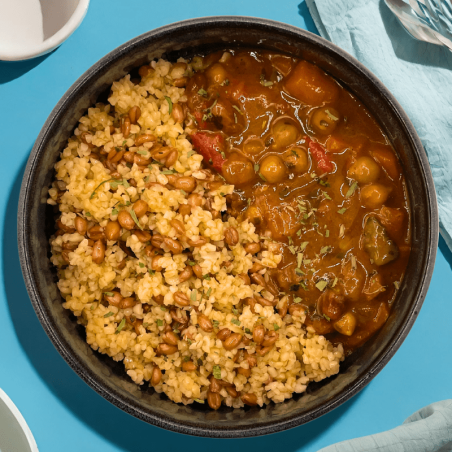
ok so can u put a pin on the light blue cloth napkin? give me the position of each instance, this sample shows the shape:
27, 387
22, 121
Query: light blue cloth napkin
427, 430
417, 73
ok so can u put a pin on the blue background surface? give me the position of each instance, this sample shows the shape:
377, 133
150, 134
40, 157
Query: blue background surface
63, 413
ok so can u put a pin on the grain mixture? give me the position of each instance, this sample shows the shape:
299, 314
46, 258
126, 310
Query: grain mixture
154, 271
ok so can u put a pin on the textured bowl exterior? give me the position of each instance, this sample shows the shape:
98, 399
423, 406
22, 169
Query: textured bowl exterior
107, 377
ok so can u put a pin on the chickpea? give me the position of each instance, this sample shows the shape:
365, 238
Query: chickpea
112, 230
216, 73
284, 133
324, 120
374, 195
126, 220
253, 146
81, 225
296, 159
365, 170
140, 207
98, 252
238, 170
273, 169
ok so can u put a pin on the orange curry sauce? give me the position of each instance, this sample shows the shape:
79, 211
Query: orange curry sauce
315, 173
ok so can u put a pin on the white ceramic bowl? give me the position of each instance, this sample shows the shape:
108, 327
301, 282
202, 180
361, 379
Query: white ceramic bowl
15, 435
31, 28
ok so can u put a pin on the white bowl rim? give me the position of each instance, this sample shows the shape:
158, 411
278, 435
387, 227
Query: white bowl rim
54, 41
20, 419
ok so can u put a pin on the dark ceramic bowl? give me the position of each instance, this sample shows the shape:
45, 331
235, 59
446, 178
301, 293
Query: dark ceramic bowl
109, 378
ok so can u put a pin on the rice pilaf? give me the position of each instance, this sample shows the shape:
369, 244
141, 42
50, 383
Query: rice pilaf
127, 298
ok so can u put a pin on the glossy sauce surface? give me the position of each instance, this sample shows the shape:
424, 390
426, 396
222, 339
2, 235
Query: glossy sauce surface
316, 175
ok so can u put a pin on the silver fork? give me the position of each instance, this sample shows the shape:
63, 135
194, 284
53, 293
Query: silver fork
426, 20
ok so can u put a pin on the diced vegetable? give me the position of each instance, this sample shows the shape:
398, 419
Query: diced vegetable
391, 219
319, 155
377, 244
311, 85
386, 158
210, 146
346, 324
373, 287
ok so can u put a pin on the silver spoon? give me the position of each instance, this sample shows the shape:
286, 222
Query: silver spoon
418, 24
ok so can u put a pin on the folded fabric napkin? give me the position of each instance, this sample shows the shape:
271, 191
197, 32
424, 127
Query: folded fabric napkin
418, 74
427, 430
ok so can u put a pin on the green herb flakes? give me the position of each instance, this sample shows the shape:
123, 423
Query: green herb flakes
236, 322
190, 153
186, 359
108, 314
262, 177
120, 326
193, 295
299, 259
109, 294
303, 246
299, 272
94, 192
151, 272
216, 372
325, 249
202, 92
170, 104
247, 331
256, 168
342, 211
321, 285
167, 171
142, 152
235, 311
141, 264
134, 217
327, 233
326, 317
238, 109
191, 263
114, 211
206, 277
159, 322
216, 323
297, 300
163, 308
351, 190
326, 195
93, 306
209, 292
125, 183
276, 326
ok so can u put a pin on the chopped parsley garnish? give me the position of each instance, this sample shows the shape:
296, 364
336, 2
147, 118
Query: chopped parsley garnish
262, 177
151, 272
170, 104
299, 272
327, 233
342, 211
142, 152
216, 372
303, 246
324, 183
109, 294
125, 183
326, 195
247, 331
256, 168
202, 92
120, 326
206, 277
163, 308
191, 263
141, 264
236, 322
238, 109
193, 294
159, 322
134, 217
209, 292
351, 190
297, 300
199, 400
186, 359
167, 171
326, 317
234, 310
276, 326
94, 192
108, 314
114, 211
325, 249
216, 323
321, 285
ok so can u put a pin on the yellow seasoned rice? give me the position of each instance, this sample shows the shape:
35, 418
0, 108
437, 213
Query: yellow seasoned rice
83, 187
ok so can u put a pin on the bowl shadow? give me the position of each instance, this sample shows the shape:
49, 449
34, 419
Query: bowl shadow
84, 403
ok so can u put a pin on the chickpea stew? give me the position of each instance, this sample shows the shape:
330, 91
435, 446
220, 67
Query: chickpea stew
316, 175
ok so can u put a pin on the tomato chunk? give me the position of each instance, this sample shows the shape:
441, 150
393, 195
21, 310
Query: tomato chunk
319, 155
210, 146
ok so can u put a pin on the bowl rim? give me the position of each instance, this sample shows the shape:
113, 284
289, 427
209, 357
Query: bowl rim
217, 431
53, 41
